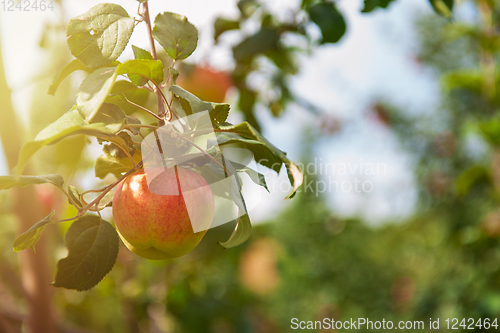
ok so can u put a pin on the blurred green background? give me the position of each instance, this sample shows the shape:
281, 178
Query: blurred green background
307, 262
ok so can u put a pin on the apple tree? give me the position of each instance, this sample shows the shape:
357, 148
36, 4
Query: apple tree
107, 103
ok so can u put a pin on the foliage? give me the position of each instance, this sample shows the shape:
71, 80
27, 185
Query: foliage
106, 104
309, 263
269, 46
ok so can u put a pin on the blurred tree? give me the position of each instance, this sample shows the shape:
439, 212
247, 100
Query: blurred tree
308, 264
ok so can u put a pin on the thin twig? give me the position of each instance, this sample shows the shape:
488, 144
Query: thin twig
139, 106
141, 126
147, 19
108, 188
128, 155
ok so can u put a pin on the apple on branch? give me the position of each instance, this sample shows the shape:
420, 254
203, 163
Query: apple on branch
160, 226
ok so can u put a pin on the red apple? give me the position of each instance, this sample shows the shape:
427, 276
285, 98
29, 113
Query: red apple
157, 226
48, 197
206, 83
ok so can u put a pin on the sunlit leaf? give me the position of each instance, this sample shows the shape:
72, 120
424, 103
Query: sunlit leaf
124, 90
7, 182
74, 196
265, 153
94, 90
71, 123
99, 36
133, 121
176, 35
92, 251
141, 53
114, 161
111, 115
139, 69
191, 104
235, 186
30, 237
255, 176
220, 112
73, 66
144, 55
443, 7
174, 74
240, 234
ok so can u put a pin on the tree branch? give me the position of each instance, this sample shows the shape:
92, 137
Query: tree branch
147, 19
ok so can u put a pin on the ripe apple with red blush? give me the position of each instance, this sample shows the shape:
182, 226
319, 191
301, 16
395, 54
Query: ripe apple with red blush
155, 224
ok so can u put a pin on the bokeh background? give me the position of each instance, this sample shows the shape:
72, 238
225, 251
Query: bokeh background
405, 103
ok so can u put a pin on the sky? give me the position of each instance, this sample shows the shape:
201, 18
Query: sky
375, 59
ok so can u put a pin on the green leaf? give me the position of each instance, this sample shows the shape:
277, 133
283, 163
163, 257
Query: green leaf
133, 121
174, 74
30, 237
240, 234
144, 55
111, 115
218, 173
74, 196
265, 153
7, 182
222, 25
370, 5
139, 69
246, 103
73, 66
114, 161
141, 53
264, 40
191, 104
248, 7
219, 113
443, 7
491, 131
123, 91
255, 176
329, 20
471, 177
243, 226
94, 90
71, 123
176, 35
262, 153
283, 59
92, 251
235, 184
469, 79
99, 36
